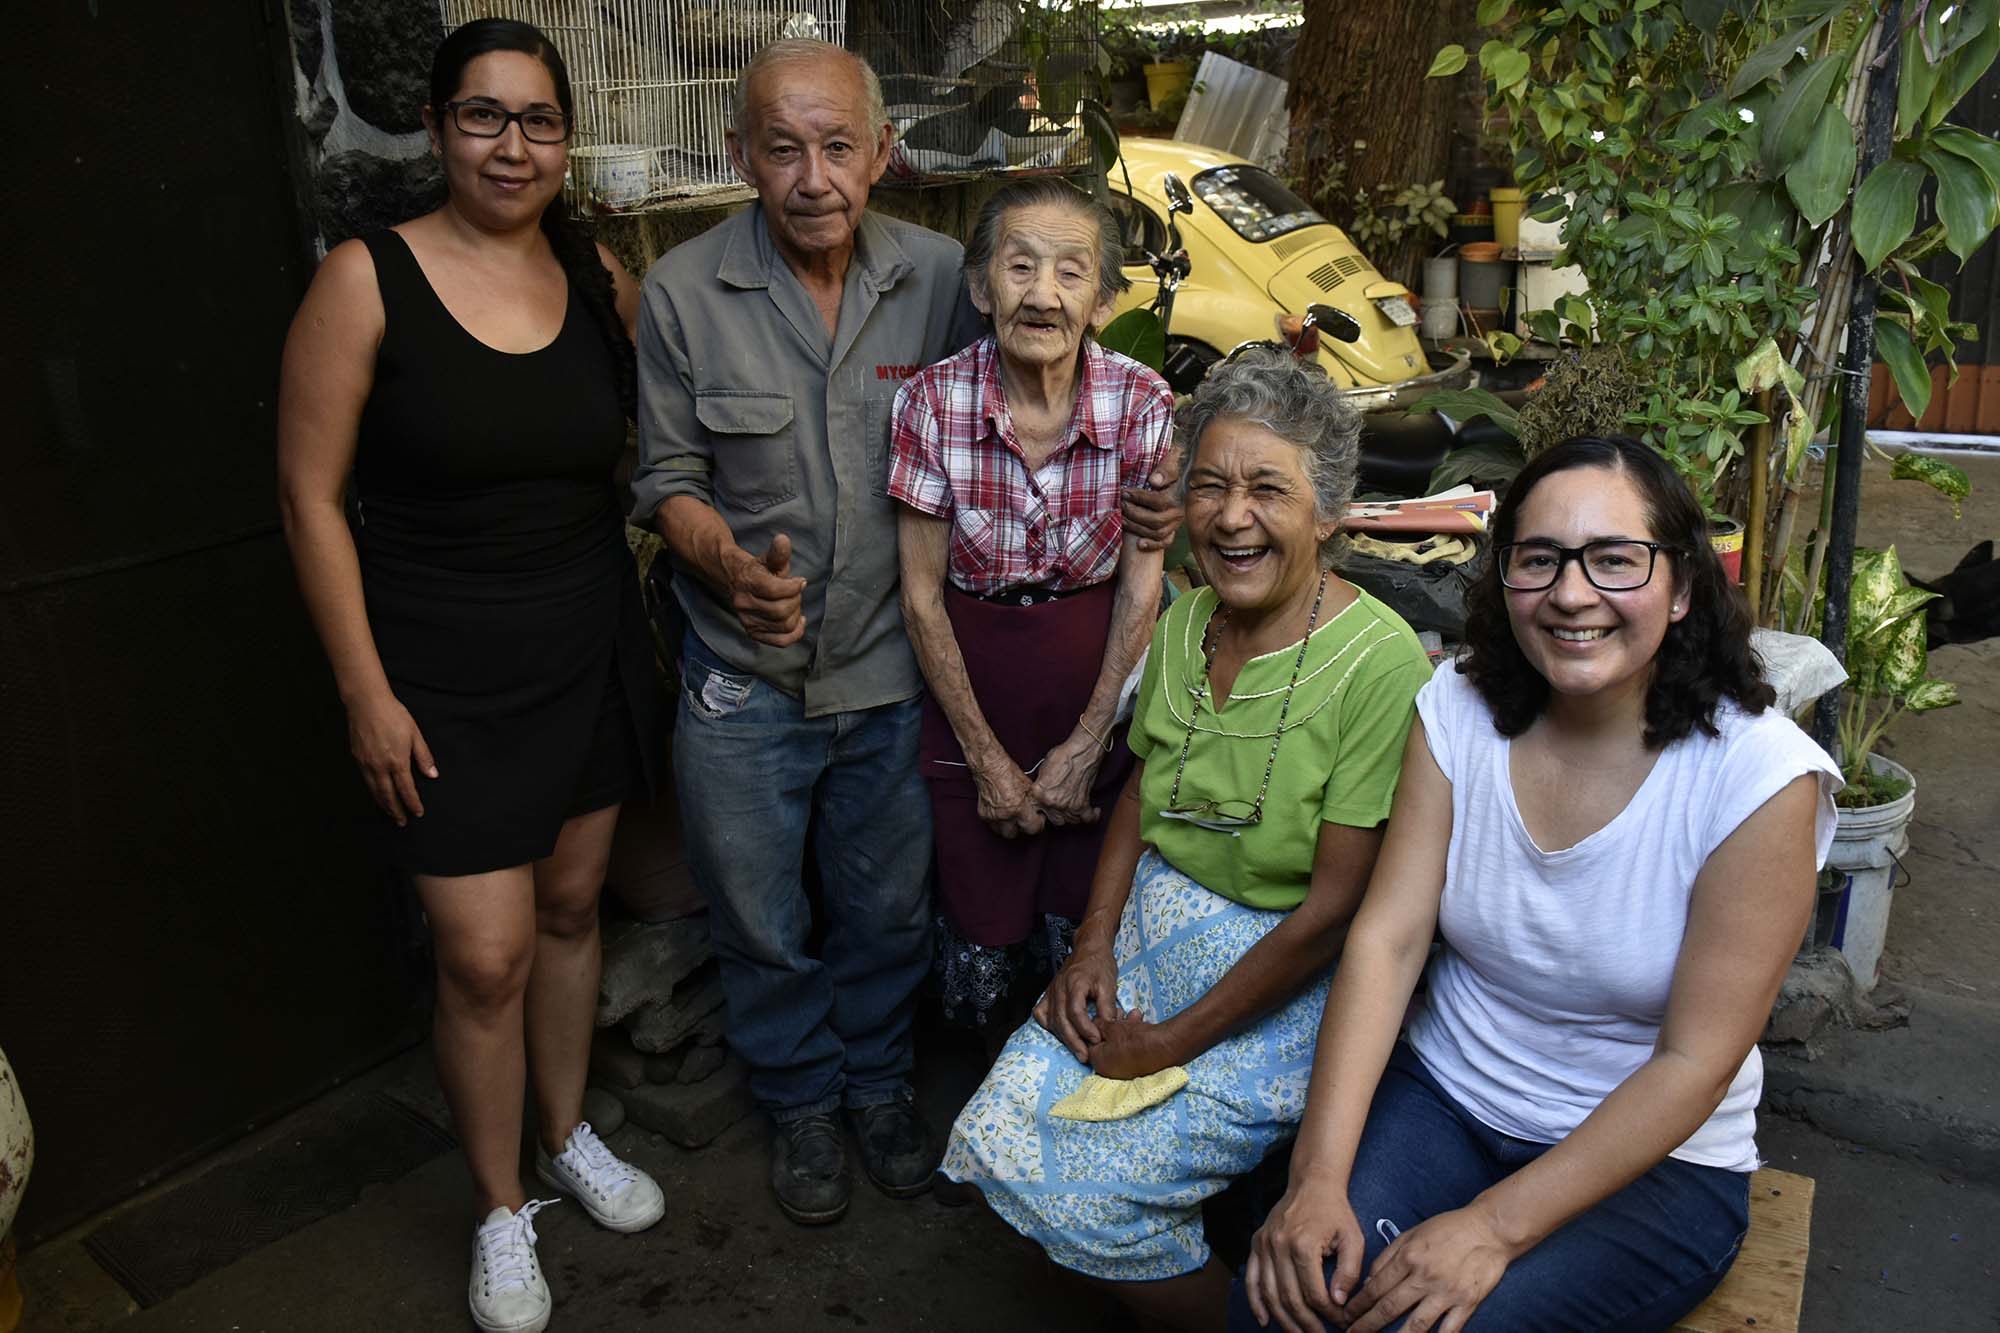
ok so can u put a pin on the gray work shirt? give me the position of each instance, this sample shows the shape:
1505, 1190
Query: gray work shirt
747, 405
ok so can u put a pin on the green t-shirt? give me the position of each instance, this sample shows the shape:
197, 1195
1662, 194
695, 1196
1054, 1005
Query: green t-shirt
1338, 762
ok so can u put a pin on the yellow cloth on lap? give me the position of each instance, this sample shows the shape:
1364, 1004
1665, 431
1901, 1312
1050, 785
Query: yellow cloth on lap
1099, 1098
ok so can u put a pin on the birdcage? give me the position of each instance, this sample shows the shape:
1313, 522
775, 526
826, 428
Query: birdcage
653, 81
978, 86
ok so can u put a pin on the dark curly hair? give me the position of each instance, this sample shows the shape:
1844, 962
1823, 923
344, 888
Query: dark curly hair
574, 244
1706, 655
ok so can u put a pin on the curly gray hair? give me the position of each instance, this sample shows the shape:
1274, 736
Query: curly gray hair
809, 51
1029, 193
1295, 401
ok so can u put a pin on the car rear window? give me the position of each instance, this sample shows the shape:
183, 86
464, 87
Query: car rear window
1254, 203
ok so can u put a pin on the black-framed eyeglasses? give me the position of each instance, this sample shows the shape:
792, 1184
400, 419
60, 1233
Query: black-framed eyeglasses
483, 120
1616, 565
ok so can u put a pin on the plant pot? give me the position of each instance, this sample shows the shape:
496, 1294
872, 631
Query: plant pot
1866, 843
1127, 93
1166, 79
1507, 218
1467, 228
1726, 536
17, 1159
1481, 275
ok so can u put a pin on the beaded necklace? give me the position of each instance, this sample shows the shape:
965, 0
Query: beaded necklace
1199, 689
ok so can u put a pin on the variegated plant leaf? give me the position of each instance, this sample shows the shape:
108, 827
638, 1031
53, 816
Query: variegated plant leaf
1904, 662
1947, 479
1928, 694
1905, 603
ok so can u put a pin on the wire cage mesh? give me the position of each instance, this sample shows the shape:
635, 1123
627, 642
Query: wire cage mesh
652, 81
977, 86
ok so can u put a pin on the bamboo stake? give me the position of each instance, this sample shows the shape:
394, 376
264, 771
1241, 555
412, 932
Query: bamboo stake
1760, 485
1836, 284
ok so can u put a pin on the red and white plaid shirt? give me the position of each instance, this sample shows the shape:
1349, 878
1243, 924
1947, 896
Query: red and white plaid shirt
953, 454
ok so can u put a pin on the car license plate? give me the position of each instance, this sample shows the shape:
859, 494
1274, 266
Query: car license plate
1396, 309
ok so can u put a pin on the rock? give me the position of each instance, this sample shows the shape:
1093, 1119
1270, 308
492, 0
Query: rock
701, 1061
692, 1115
665, 1068
614, 1061
306, 36
660, 1027
643, 963
604, 1111
319, 115
1818, 991
358, 192
384, 48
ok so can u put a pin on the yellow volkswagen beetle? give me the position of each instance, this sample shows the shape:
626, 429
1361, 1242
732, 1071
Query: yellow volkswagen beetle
1258, 253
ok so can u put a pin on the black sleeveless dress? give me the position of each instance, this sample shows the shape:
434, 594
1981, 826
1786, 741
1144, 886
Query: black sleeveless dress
499, 588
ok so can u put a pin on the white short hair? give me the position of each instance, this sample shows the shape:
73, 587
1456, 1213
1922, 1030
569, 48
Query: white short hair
804, 51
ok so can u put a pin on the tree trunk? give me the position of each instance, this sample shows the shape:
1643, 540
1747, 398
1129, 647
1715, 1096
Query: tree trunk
1358, 77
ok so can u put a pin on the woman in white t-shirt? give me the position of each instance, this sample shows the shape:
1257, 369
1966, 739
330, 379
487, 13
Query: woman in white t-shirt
1617, 838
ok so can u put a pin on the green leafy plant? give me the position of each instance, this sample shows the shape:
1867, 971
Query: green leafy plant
1379, 221
1169, 35
1383, 220
1139, 335
1888, 668
1699, 153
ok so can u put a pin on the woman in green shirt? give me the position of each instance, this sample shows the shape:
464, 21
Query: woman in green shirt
1269, 728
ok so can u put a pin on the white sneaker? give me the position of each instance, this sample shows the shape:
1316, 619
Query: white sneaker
507, 1293
616, 1194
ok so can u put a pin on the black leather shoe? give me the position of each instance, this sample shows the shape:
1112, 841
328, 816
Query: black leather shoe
895, 1147
809, 1170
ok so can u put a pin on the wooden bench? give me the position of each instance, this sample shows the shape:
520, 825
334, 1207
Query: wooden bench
1768, 1280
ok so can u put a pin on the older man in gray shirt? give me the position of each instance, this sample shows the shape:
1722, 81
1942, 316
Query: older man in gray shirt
770, 350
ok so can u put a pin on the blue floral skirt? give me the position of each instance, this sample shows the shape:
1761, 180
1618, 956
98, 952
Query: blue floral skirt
1122, 1199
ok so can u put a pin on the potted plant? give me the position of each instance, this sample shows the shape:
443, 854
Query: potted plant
1175, 44
1126, 53
17, 1159
1887, 679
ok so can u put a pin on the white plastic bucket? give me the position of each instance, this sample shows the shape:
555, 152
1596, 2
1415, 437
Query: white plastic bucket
1440, 317
1440, 280
17, 1145
1866, 844
615, 173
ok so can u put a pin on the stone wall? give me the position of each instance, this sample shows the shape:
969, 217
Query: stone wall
360, 75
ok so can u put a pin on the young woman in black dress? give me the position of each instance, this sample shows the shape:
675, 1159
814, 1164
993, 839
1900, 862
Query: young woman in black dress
472, 370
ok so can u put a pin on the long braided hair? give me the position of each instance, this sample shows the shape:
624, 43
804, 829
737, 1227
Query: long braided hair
574, 244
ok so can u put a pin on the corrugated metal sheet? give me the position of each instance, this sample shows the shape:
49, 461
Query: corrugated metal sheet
1972, 406
1236, 109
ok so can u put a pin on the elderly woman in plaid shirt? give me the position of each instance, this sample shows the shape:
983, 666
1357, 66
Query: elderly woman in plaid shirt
1028, 601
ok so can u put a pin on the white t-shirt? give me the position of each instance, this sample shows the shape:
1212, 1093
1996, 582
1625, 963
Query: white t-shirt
1554, 977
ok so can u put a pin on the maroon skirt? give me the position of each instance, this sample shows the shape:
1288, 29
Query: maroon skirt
1032, 670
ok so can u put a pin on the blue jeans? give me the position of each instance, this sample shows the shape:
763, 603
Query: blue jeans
1636, 1262
752, 772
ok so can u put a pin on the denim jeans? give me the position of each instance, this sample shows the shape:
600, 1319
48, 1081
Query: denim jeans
752, 773
1636, 1262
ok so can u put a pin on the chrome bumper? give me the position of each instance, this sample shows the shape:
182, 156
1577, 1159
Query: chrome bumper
1457, 373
